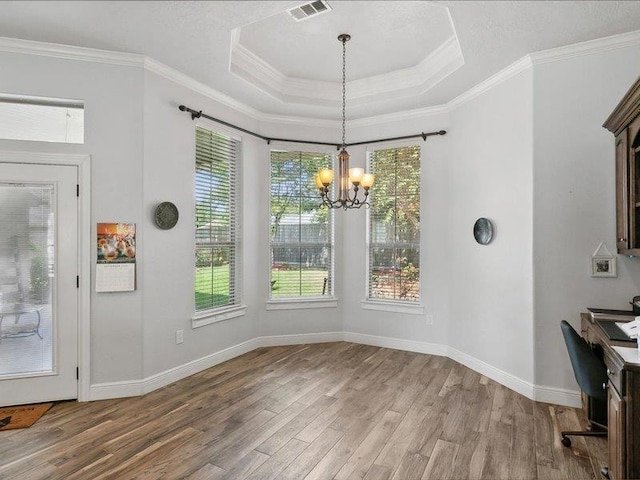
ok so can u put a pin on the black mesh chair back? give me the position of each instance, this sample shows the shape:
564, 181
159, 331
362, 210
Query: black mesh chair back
591, 374
589, 370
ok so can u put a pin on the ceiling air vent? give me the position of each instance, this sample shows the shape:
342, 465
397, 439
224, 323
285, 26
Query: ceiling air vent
309, 10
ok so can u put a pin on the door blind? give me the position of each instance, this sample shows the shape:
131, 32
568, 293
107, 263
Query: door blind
301, 232
217, 235
394, 225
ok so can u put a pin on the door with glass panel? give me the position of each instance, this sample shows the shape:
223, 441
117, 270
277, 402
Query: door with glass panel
38, 291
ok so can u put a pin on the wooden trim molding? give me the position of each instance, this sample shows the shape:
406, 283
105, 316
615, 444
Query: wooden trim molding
626, 111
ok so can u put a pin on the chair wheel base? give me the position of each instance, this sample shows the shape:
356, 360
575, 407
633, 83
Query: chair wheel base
566, 441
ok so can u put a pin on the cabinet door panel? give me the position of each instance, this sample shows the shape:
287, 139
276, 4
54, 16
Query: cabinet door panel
622, 193
616, 435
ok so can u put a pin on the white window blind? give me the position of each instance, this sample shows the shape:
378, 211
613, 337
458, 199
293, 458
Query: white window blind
301, 232
217, 235
394, 225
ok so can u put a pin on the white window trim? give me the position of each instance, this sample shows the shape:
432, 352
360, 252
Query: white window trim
218, 315
382, 304
393, 306
301, 303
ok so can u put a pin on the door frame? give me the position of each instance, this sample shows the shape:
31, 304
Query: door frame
83, 164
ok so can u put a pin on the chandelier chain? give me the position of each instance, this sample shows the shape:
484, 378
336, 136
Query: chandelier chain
344, 88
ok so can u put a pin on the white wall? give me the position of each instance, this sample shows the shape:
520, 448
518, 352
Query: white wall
574, 198
529, 154
167, 274
434, 250
490, 175
114, 139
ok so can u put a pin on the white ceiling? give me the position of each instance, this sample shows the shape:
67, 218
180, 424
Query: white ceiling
403, 55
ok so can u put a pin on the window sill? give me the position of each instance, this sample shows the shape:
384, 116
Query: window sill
391, 306
219, 315
298, 303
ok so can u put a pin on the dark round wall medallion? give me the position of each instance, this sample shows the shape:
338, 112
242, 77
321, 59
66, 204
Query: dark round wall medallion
166, 215
483, 231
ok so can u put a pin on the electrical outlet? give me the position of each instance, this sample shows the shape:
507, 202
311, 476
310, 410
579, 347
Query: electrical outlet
429, 319
179, 336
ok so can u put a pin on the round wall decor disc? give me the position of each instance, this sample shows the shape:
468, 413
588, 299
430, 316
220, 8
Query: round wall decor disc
483, 231
166, 215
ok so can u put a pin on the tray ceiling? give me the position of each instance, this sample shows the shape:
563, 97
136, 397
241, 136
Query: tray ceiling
402, 56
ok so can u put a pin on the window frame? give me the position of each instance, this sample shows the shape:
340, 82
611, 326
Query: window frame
312, 301
414, 307
201, 318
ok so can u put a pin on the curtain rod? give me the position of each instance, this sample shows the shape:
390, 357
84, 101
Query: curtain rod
197, 114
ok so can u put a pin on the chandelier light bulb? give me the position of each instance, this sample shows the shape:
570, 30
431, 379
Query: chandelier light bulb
367, 180
326, 176
355, 175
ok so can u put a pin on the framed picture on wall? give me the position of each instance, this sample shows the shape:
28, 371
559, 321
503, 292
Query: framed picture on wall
603, 266
603, 263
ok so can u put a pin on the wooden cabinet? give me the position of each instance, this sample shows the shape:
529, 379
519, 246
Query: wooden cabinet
623, 403
616, 435
624, 123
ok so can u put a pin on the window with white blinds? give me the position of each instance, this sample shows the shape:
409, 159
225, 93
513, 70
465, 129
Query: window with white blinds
301, 232
217, 235
394, 225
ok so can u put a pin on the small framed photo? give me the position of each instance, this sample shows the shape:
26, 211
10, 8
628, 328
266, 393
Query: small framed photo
602, 266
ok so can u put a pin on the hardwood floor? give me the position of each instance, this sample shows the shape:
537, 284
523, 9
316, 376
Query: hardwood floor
333, 410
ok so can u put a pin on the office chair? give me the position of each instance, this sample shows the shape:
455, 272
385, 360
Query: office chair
590, 372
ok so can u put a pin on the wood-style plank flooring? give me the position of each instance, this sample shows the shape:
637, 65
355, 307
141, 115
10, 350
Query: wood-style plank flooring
322, 411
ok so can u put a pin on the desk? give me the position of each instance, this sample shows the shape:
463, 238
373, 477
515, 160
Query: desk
623, 405
18, 328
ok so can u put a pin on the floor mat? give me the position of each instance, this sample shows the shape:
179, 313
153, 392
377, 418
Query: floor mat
22, 416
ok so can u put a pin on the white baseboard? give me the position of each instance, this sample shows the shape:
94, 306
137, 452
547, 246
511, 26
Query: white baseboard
559, 396
299, 339
133, 388
396, 343
103, 391
507, 379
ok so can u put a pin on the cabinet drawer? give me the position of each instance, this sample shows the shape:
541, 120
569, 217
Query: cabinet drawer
615, 373
585, 330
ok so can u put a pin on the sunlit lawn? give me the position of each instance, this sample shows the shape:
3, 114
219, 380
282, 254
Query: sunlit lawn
212, 284
293, 283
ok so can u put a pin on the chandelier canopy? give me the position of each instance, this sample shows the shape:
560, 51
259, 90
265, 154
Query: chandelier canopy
347, 177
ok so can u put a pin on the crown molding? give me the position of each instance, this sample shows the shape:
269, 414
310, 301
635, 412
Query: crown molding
70, 52
590, 47
493, 81
414, 114
186, 81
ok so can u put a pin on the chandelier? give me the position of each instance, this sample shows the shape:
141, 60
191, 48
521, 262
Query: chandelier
347, 177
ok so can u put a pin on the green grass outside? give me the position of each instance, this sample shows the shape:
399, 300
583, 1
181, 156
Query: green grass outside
294, 283
212, 285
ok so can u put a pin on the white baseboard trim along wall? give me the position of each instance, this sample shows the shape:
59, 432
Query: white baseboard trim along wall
560, 396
